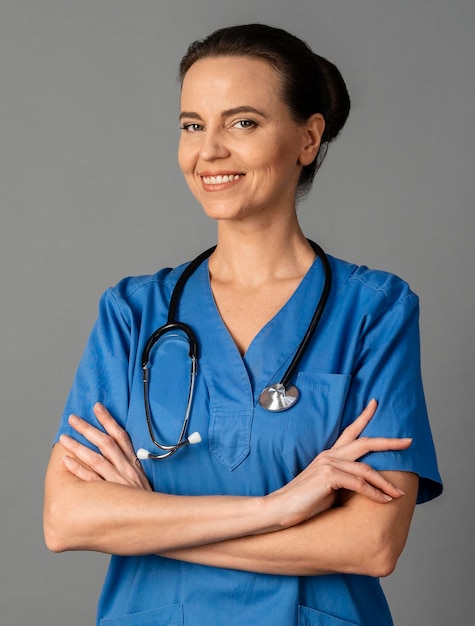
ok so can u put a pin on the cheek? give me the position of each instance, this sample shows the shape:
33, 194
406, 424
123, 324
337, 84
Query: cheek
283, 166
280, 153
186, 159
182, 160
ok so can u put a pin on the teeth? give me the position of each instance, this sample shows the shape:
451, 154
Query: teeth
217, 180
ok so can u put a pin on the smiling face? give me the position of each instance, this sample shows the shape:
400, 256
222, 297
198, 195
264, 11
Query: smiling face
240, 151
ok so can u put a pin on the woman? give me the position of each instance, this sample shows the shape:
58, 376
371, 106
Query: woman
272, 518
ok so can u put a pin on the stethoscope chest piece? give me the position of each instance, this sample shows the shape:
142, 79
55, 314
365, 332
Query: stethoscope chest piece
278, 397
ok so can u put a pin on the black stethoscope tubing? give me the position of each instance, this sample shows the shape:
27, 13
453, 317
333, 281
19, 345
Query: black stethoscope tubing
327, 284
276, 391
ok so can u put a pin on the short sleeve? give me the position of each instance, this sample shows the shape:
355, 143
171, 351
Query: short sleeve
388, 369
103, 372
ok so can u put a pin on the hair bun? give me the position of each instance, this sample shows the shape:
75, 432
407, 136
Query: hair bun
337, 97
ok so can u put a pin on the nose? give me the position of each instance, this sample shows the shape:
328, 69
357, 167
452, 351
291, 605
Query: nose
213, 145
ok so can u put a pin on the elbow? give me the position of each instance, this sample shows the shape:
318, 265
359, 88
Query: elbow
53, 543
385, 553
52, 540
63, 519
384, 564
53, 532
66, 522
58, 531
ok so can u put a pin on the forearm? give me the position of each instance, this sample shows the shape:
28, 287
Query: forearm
289, 552
103, 501
319, 546
362, 537
117, 519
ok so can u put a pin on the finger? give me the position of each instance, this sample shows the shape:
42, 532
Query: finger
97, 436
116, 431
104, 441
372, 477
91, 460
358, 484
77, 469
354, 430
345, 459
111, 464
355, 477
364, 445
119, 434
357, 448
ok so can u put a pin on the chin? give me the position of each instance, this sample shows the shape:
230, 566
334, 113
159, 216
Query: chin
222, 210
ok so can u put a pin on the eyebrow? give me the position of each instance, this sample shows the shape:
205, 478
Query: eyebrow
224, 114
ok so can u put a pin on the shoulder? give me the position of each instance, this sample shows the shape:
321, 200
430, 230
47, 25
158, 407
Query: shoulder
133, 295
369, 279
371, 285
133, 286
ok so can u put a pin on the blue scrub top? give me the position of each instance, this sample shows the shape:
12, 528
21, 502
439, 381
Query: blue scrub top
366, 346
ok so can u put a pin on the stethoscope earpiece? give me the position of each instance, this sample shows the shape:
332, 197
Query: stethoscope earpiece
195, 438
143, 454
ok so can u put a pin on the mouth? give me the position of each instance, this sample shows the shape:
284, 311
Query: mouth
220, 181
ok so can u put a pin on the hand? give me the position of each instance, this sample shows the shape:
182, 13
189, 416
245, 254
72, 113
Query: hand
314, 490
117, 461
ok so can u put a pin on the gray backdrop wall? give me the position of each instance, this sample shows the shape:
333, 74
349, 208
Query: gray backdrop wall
90, 192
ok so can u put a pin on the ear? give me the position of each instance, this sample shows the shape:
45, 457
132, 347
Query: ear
313, 131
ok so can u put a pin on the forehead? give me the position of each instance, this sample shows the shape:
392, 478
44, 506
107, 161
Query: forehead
232, 80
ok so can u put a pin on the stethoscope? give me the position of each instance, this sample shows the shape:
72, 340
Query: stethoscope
276, 397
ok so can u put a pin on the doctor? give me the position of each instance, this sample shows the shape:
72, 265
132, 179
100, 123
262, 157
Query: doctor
272, 518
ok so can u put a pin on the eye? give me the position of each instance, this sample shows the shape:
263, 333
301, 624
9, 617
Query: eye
191, 127
245, 124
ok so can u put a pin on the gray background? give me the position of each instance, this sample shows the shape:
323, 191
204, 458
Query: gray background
90, 192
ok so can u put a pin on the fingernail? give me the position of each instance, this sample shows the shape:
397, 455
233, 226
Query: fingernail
387, 498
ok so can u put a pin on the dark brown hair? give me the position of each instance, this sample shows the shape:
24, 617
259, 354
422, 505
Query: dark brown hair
310, 83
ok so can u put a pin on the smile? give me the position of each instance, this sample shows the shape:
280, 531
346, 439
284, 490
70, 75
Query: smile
219, 180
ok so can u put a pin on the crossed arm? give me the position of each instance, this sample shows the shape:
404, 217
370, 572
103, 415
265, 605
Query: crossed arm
338, 515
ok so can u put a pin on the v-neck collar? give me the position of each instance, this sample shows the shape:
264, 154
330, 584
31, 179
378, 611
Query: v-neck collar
238, 380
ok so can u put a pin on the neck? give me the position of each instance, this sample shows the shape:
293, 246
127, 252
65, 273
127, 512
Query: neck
253, 257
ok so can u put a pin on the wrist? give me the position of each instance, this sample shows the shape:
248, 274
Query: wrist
270, 511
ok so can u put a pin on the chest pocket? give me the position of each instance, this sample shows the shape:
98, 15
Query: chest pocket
313, 424
229, 435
